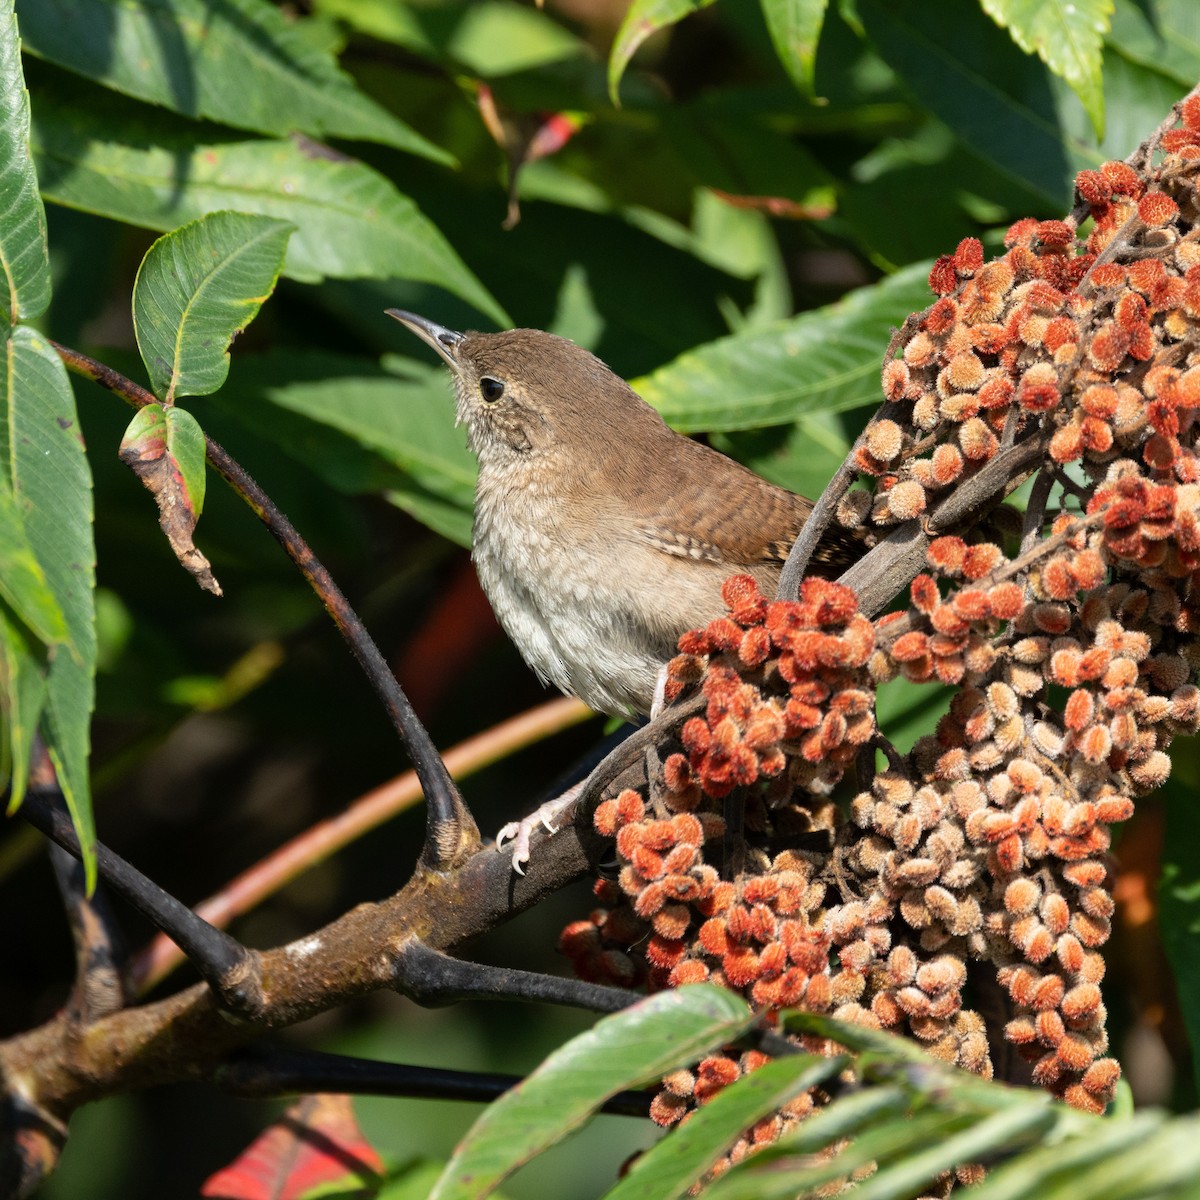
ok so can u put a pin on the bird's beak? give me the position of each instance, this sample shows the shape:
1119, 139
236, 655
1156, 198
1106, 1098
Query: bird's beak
445, 341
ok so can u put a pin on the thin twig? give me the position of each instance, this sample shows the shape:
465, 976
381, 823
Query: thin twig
432, 978
1069, 485
894, 757
269, 1071
818, 521
450, 831
1035, 510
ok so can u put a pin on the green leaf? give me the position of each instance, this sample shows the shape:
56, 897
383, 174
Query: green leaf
412, 1181
878, 1143
643, 18
999, 101
827, 360
1137, 99
22, 581
24, 261
196, 289
1165, 1162
22, 699
841, 1119
240, 62
1052, 1170
408, 420
1002, 1132
497, 38
1164, 36
628, 1049
906, 711
452, 522
110, 156
1068, 36
185, 445
673, 1165
795, 28
382, 19
671, 308
749, 160
172, 432
52, 484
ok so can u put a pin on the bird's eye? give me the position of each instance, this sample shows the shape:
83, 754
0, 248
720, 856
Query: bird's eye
491, 389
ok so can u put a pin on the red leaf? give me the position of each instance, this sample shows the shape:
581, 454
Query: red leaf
317, 1141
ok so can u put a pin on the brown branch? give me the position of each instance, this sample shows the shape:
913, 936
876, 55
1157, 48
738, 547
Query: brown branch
889, 567
224, 964
101, 985
818, 521
280, 1071
1035, 510
188, 1036
369, 811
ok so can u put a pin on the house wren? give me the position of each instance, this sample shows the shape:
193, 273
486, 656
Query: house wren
600, 534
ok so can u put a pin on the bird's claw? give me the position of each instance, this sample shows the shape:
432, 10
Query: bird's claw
549, 816
518, 832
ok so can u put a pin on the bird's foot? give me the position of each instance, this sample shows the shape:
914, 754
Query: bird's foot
550, 816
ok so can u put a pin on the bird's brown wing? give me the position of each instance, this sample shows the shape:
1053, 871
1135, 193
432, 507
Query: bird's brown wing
715, 510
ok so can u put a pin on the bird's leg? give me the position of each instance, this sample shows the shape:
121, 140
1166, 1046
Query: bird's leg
549, 815
555, 813
658, 703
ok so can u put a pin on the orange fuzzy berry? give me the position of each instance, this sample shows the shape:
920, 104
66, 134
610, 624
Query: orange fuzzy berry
968, 257
978, 442
1108, 348
1038, 389
1067, 444
1099, 400
664, 952
667, 1109
1157, 208
1122, 179
1075, 1053
895, 379
947, 465
1055, 233
943, 278
997, 392
1006, 600
1021, 896
947, 554
884, 440
1101, 1077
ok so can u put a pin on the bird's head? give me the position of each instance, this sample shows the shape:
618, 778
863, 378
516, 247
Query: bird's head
525, 391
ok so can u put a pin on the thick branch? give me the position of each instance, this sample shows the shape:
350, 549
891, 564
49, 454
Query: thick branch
187, 1036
